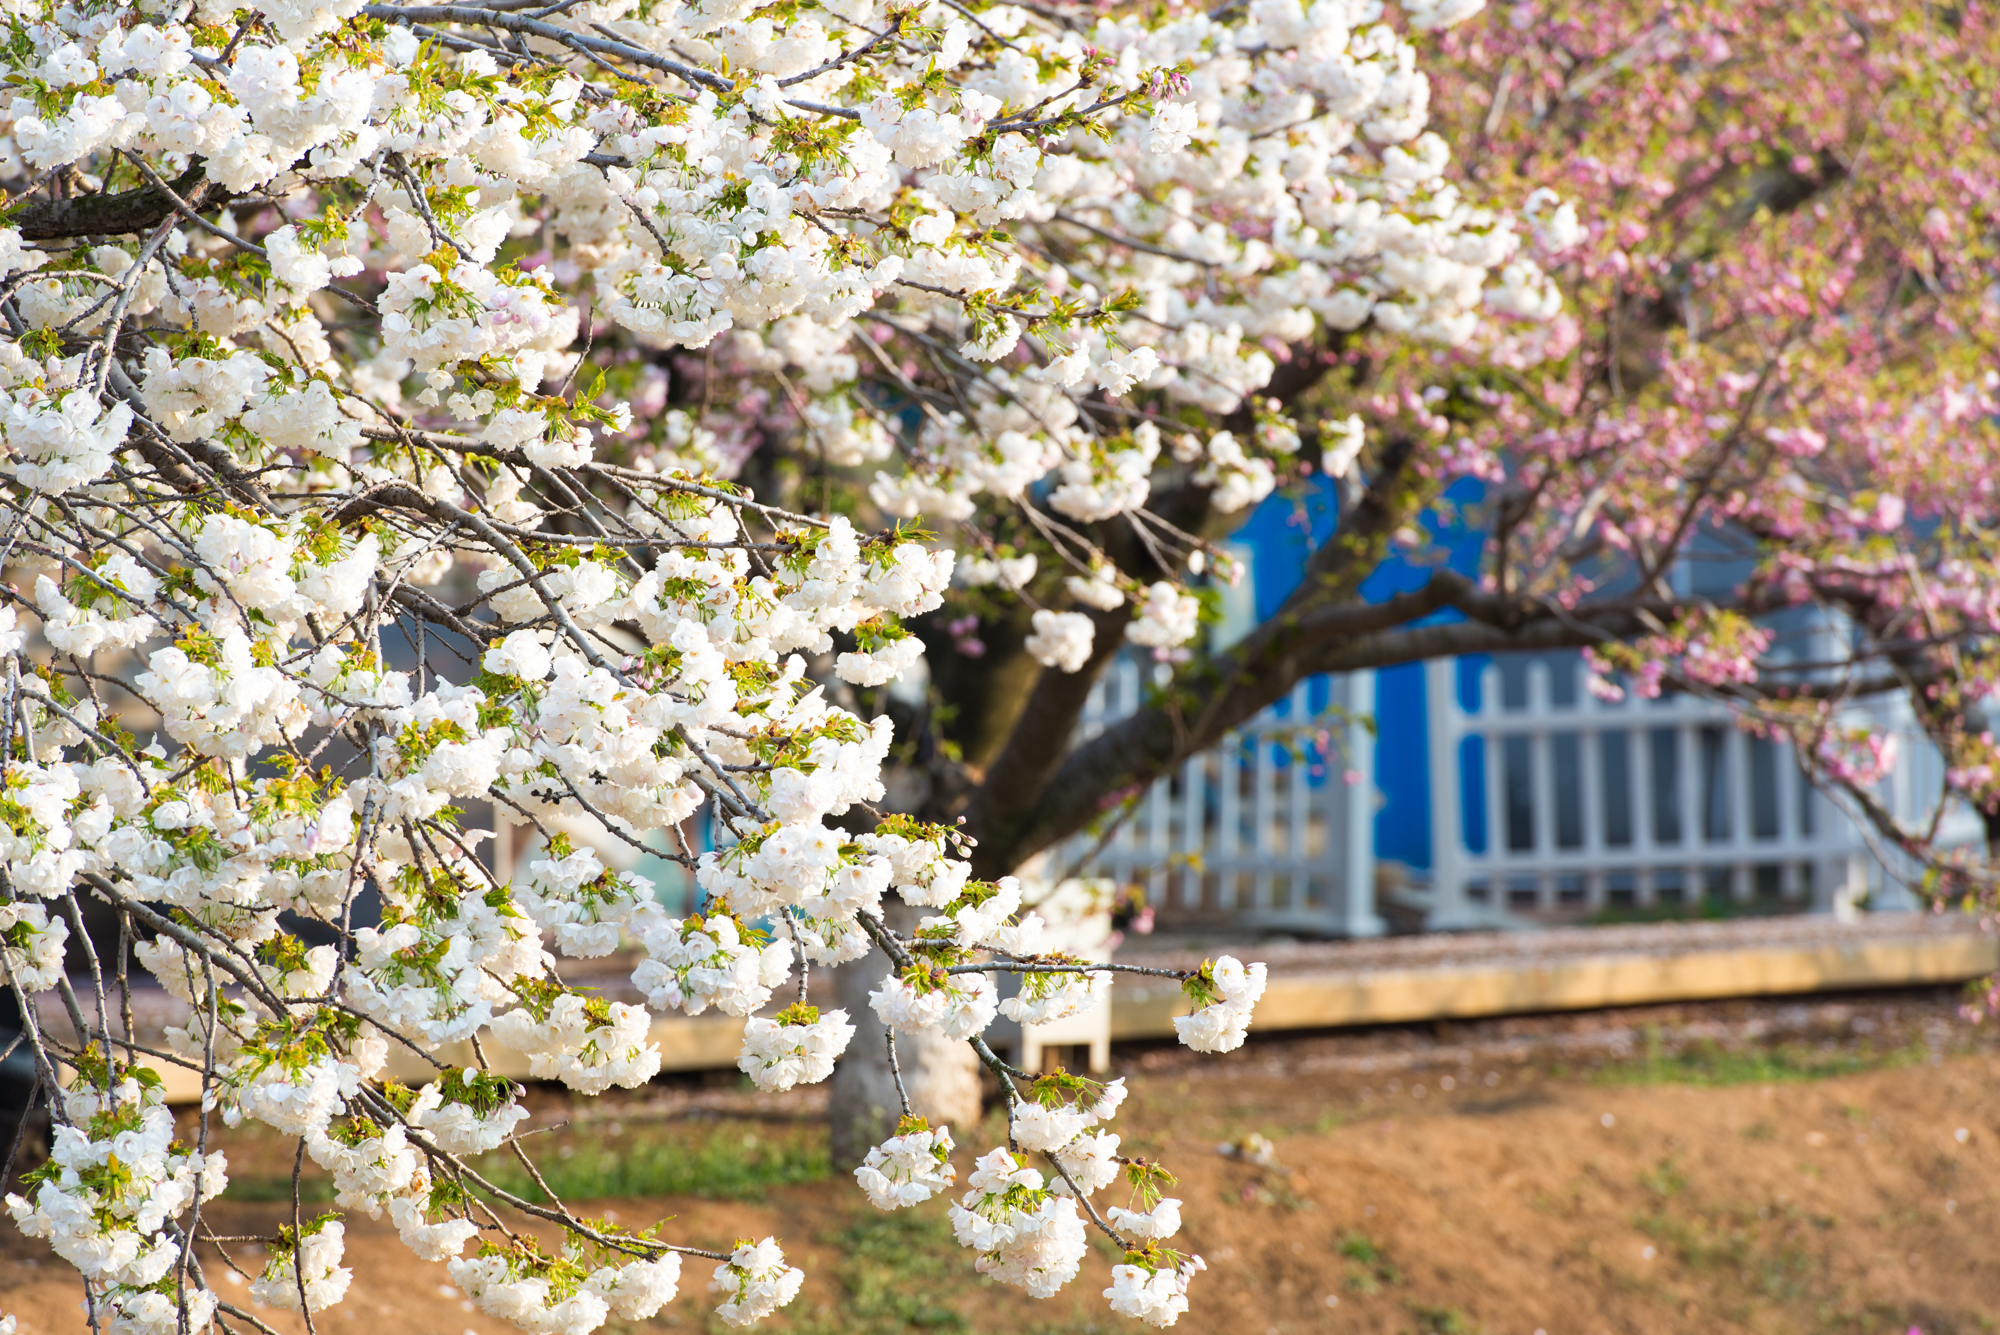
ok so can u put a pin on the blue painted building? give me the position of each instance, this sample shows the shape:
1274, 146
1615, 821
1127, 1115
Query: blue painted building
1280, 536
1540, 798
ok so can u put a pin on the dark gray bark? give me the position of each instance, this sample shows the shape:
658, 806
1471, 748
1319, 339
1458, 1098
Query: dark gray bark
122, 214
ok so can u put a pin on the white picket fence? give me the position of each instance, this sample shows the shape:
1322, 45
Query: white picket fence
1540, 807
1274, 827
1576, 806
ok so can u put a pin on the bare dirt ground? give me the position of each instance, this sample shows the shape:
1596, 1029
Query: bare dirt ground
1831, 1166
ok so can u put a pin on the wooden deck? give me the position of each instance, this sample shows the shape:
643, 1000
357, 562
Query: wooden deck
1400, 980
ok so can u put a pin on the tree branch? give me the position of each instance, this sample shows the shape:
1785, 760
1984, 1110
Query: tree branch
126, 212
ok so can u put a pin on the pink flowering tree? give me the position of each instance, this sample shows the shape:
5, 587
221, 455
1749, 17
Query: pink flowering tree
1777, 350
618, 412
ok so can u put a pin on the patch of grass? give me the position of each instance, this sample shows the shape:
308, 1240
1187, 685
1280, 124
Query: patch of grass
1367, 1268
1713, 1065
1333, 1121
313, 1190
725, 1163
1359, 1247
1921, 1316
905, 1274
1666, 1181
1760, 1261
1442, 1321
893, 1269
712, 1162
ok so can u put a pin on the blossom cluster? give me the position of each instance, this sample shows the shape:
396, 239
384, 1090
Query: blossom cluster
1225, 993
108, 1198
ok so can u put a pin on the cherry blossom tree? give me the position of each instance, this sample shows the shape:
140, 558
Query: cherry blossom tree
1777, 353
581, 411
614, 413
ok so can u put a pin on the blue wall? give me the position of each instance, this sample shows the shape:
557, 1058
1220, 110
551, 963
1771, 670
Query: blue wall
1282, 533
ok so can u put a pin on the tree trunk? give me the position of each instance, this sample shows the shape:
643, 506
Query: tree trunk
941, 1074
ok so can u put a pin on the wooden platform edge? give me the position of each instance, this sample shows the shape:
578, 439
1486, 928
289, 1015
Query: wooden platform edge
1314, 1001
1141, 1010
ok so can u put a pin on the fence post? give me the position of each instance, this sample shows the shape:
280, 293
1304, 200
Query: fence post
1445, 727
1358, 801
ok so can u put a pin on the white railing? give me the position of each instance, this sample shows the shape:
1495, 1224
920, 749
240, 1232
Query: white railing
1581, 807
1586, 805
1273, 827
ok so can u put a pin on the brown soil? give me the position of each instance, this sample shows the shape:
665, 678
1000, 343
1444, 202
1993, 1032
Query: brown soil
1553, 1175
